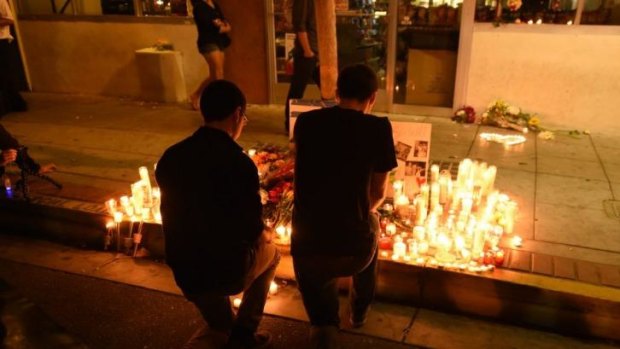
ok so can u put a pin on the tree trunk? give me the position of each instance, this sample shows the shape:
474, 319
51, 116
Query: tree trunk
328, 47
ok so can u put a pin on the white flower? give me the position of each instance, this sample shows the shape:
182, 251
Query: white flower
546, 135
492, 104
512, 110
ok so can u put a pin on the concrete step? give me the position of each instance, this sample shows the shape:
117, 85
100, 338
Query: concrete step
525, 298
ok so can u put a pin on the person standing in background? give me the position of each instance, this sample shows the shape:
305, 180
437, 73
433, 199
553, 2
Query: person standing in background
10, 99
305, 53
213, 39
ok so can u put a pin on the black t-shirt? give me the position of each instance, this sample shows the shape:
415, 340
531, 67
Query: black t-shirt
338, 150
209, 33
304, 20
211, 211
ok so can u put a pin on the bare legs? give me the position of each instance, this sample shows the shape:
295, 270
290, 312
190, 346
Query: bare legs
215, 60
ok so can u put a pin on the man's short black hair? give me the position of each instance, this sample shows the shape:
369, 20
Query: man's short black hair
220, 99
357, 82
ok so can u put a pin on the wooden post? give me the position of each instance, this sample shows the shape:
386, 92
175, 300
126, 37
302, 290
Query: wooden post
328, 47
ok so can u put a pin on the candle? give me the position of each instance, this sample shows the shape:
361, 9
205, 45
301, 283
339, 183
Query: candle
281, 232
251, 152
463, 173
424, 193
434, 196
111, 206
434, 174
132, 220
237, 302
399, 248
479, 237
398, 187
273, 288
517, 241
124, 201
413, 248
401, 200
144, 175
390, 229
419, 232
420, 211
107, 239
118, 218
423, 247
385, 243
158, 217
445, 187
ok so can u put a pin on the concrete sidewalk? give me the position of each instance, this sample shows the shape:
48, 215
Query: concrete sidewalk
393, 322
566, 188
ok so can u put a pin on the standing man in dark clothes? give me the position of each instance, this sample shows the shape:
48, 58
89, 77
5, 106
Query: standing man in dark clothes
10, 99
212, 222
305, 53
343, 158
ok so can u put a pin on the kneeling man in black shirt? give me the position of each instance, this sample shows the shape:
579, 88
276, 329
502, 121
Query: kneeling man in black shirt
343, 158
212, 222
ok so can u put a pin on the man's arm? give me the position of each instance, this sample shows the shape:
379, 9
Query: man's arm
300, 17
6, 17
6, 21
378, 186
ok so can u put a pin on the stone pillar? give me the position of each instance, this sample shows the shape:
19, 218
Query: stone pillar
328, 47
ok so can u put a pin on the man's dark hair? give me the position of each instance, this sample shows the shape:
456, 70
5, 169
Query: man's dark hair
357, 82
220, 99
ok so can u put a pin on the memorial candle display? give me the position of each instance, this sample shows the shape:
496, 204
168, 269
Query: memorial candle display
143, 206
457, 223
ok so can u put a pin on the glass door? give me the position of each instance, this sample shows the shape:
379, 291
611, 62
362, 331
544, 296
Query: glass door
425, 56
361, 26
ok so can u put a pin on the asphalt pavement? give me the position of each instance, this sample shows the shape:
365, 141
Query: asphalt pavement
105, 314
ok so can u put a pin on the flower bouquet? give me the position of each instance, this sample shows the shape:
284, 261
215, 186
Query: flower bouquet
275, 166
465, 114
501, 114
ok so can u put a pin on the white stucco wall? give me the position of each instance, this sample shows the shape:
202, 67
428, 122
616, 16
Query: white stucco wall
569, 75
98, 57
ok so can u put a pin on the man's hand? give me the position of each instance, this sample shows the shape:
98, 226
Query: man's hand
47, 168
267, 235
8, 156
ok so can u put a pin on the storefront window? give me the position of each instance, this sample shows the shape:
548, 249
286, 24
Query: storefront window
601, 12
104, 7
426, 51
361, 27
527, 11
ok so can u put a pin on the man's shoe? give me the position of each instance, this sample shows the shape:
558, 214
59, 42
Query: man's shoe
260, 340
324, 337
357, 321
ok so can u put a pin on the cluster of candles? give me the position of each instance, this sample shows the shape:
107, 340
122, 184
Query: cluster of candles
454, 224
142, 206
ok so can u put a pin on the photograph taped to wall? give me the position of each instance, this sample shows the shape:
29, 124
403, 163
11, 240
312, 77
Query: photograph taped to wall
402, 150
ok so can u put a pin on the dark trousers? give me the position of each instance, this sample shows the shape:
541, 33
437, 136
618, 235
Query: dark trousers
10, 99
317, 278
217, 310
303, 69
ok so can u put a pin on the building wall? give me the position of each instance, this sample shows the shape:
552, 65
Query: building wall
95, 55
570, 76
